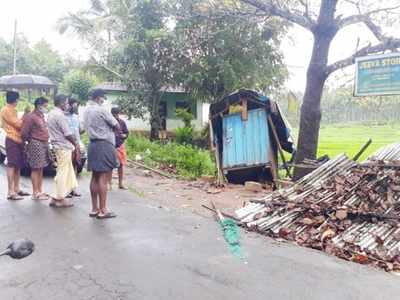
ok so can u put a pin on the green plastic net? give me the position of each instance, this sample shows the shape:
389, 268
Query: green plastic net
231, 235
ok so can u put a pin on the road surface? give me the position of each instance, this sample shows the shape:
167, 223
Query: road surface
153, 252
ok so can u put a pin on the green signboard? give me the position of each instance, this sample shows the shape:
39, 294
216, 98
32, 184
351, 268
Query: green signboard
378, 75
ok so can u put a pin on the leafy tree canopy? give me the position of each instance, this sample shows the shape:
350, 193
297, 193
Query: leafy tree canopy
78, 84
38, 59
222, 53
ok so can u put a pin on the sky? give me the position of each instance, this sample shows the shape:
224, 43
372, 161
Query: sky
37, 20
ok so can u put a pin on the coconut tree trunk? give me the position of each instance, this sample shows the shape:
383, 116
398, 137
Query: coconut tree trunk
310, 116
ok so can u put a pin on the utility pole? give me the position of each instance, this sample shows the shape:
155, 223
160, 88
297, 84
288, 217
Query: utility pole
15, 49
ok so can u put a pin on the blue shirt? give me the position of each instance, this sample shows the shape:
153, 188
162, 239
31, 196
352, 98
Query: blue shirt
74, 124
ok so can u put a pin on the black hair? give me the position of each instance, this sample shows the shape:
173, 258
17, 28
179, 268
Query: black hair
72, 100
115, 110
96, 93
40, 101
59, 99
12, 97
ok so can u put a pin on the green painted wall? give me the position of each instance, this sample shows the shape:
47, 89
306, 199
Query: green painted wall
169, 98
172, 98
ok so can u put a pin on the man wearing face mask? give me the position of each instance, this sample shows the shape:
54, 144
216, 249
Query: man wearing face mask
35, 134
14, 146
102, 156
64, 142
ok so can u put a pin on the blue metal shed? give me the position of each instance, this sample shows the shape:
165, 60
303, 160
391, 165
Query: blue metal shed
245, 129
246, 143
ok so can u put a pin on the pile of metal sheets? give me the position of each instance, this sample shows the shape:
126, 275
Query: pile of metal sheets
343, 208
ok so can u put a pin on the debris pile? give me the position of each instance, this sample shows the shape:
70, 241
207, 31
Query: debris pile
343, 208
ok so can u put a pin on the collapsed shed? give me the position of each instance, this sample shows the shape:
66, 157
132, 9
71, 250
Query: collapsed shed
347, 209
247, 131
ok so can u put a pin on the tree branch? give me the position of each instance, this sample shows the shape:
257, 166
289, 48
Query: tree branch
106, 68
388, 44
360, 18
273, 10
375, 29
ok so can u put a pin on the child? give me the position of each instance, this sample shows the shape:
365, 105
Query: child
120, 137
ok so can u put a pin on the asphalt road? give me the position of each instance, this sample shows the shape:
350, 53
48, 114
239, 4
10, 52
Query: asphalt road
152, 252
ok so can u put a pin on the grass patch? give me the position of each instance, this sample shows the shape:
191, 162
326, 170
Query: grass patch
349, 139
189, 161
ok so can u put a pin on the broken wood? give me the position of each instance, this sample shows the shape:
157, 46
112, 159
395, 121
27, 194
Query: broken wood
278, 144
221, 180
223, 213
245, 112
218, 212
362, 150
151, 169
341, 207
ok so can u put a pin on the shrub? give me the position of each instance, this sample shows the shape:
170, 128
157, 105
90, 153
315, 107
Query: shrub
189, 161
184, 135
78, 83
185, 116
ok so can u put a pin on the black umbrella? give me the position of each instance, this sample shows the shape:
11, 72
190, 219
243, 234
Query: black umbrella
19, 249
23, 81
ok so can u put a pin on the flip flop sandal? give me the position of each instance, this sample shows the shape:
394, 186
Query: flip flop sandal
108, 215
14, 198
23, 194
93, 214
123, 188
63, 205
40, 197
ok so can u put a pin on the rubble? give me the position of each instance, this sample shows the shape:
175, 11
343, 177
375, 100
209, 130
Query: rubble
252, 186
343, 208
207, 179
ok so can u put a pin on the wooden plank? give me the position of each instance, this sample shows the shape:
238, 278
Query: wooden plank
221, 180
151, 169
274, 164
362, 150
275, 134
245, 112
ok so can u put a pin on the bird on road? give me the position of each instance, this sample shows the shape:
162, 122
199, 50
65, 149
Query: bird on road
19, 249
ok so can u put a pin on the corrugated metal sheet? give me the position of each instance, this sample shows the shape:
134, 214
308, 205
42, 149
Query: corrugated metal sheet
245, 143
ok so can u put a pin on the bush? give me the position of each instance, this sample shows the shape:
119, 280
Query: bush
78, 84
185, 116
189, 161
184, 135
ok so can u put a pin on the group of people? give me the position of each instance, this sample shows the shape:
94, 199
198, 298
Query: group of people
28, 140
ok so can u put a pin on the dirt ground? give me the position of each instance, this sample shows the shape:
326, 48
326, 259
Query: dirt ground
187, 195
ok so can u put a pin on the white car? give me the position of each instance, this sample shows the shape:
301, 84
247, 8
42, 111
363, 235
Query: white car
49, 170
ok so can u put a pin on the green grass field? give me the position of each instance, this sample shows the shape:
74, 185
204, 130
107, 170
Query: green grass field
349, 139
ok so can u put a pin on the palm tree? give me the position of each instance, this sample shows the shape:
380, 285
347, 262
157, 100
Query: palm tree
96, 26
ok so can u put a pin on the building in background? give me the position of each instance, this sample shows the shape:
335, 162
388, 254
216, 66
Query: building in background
172, 99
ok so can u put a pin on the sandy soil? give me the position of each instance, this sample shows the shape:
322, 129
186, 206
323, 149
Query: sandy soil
187, 195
